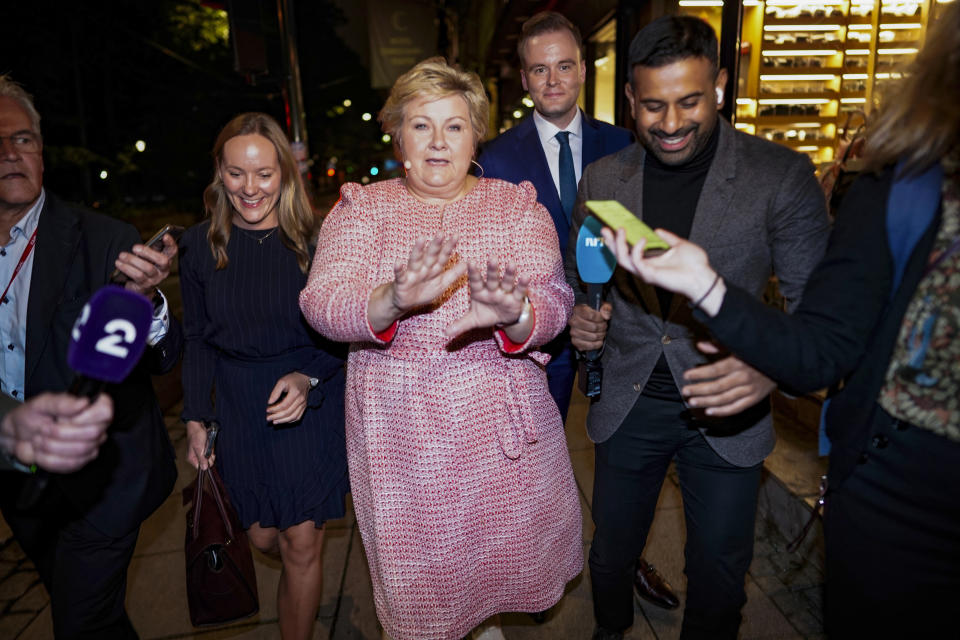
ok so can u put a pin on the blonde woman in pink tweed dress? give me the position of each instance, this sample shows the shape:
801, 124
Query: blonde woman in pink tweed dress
445, 284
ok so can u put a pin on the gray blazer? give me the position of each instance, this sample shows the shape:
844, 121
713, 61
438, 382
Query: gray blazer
761, 211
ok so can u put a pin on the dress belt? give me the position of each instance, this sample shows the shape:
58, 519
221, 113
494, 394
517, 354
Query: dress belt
521, 429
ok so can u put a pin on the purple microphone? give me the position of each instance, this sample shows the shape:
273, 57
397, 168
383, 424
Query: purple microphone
106, 343
108, 339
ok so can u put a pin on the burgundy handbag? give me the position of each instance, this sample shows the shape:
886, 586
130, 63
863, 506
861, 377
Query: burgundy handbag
221, 581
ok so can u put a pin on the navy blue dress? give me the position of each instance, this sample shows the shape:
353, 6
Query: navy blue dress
244, 331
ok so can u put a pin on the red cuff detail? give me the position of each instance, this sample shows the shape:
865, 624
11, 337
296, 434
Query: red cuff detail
387, 334
509, 345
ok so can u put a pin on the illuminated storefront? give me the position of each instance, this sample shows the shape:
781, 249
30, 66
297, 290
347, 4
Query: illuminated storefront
808, 70
811, 69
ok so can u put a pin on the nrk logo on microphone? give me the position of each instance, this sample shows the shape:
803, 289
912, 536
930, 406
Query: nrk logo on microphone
110, 335
595, 262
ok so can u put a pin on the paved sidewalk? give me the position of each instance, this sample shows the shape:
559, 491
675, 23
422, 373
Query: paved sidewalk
783, 589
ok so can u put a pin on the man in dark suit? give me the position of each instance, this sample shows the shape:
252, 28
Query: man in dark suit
550, 149
756, 208
81, 529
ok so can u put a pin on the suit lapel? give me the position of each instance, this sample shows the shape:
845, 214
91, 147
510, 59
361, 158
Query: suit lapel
534, 161
715, 197
592, 142
718, 190
629, 193
58, 236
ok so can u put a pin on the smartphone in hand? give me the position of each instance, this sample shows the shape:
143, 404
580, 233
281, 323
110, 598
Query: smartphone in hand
155, 243
615, 215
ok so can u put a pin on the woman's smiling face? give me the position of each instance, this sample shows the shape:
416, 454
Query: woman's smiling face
438, 142
252, 178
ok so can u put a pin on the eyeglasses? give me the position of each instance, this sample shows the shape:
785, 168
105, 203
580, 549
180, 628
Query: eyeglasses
23, 142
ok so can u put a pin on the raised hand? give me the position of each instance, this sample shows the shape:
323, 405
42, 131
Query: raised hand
146, 268
424, 276
417, 282
494, 301
684, 268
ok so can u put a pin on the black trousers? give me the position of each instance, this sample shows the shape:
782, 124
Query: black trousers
892, 533
719, 504
84, 570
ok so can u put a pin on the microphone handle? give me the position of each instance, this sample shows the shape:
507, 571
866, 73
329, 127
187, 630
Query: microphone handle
86, 387
34, 486
595, 300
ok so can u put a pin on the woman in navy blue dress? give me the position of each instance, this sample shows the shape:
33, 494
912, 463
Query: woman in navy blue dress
254, 365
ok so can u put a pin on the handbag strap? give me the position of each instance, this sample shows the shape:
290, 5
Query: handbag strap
210, 476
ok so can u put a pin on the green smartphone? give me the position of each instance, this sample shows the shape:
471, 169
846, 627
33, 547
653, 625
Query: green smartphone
615, 215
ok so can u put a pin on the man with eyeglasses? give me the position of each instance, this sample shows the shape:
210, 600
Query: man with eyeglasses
81, 528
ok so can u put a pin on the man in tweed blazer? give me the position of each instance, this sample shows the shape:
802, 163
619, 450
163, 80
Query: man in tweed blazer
756, 209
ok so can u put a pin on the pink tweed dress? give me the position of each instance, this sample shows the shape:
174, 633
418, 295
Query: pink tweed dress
461, 478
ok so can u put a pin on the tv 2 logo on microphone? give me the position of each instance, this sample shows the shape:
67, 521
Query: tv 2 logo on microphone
118, 330
110, 335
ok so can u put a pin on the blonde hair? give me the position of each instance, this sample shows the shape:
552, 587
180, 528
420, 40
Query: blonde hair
921, 121
434, 78
298, 223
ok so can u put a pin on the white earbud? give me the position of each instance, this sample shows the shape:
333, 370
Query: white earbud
719, 95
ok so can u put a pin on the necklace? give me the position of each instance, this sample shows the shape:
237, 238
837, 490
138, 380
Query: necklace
261, 238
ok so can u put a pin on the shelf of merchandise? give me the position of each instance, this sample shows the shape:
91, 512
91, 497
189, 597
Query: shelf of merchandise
821, 65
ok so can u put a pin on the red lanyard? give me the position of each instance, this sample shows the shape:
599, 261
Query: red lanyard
23, 258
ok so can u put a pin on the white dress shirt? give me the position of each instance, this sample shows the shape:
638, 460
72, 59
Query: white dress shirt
551, 146
13, 313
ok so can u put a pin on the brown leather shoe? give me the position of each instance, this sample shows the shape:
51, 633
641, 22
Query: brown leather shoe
652, 587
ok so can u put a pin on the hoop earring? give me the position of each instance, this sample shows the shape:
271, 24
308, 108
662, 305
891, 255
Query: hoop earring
478, 166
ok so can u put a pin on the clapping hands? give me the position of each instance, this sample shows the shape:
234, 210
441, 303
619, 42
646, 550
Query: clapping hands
427, 273
424, 276
494, 300
684, 268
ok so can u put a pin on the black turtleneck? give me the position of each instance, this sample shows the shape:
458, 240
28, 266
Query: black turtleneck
670, 196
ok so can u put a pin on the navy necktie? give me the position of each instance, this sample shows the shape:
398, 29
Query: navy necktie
568, 178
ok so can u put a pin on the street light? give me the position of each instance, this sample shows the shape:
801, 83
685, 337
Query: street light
103, 174
366, 117
140, 146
